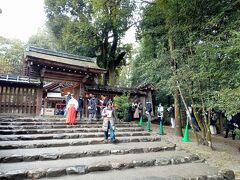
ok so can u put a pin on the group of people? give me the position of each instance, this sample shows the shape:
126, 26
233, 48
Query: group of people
231, 124
105, 105
135, 110
171, 114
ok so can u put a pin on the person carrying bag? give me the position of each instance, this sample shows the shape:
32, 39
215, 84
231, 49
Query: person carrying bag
109, 122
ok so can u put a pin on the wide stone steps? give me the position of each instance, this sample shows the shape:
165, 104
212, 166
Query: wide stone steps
33, 148
36, 119
186, 171
67, 136
19, 155
65, 130
71, 142
40, 124
49, 120
61, 167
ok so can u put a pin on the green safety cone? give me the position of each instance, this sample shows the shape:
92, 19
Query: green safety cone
161, 131
186, 135
149, 123
140, 122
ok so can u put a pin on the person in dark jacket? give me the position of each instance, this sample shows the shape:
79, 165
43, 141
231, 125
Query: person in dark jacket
149, 107
130, 112
232, 124
80, 107
92, 108
171, 112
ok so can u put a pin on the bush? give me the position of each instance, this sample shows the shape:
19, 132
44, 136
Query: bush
237, 132
122, 105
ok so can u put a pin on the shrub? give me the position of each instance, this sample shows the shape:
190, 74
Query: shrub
121, 103
237, 132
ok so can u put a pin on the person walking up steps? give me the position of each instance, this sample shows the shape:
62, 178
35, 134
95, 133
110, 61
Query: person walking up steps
92, 108
72, 107
109, 122
171, 114
80, 107
160, 112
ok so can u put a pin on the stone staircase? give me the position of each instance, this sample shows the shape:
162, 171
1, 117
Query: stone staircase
35, 148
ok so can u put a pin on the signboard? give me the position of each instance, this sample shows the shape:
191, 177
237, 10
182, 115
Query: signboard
49, 112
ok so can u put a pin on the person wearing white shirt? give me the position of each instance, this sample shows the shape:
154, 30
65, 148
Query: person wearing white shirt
72, 107
109, 122
160, 111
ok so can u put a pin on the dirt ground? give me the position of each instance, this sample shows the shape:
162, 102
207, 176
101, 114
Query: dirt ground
226, 153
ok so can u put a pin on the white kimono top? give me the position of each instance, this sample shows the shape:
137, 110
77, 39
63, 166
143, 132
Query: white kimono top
74, 102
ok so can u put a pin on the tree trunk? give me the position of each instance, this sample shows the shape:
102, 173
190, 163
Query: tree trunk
188, 113
209, 137
177, 118
112, 76
201, 125
104, 56
175, 94
221, 120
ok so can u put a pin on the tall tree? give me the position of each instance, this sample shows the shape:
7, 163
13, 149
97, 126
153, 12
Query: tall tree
92, 28
159, 30
11, 56
199, 41
43, 39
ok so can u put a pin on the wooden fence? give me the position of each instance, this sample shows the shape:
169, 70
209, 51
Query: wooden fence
18, 99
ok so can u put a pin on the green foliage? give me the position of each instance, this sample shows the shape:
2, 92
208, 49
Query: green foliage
237, 132
122, 105
43, 39
92, 28
151, 65
196, 43
11, 55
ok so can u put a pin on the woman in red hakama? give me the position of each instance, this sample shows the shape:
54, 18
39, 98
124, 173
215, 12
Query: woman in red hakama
71, 111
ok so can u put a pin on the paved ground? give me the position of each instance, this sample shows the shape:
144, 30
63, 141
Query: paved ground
31, 148
226, 154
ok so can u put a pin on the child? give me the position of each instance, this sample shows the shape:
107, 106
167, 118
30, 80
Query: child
109, 122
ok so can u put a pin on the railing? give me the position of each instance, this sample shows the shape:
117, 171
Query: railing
16, 78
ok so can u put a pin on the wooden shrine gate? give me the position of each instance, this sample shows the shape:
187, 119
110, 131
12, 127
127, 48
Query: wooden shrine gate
18, 94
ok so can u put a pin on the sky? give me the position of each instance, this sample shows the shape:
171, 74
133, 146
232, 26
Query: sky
22, 18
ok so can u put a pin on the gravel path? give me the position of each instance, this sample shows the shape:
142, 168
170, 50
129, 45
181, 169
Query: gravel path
226, 154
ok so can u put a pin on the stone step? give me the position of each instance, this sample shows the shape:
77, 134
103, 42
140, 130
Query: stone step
53, 153
65, 130
67, 136
33, 119
50, 120
41, 125
186, 171
72, 142
61, 167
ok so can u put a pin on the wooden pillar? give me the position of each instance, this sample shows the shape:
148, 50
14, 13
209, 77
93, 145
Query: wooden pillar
143, 100
85, 100
25, 99
1, 97
149, 99
81, 89
34, 101
39, 100
20, 100
4, 98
